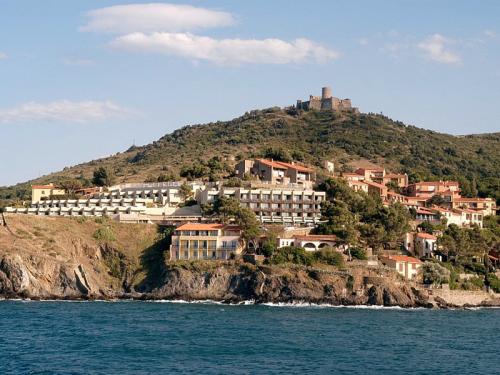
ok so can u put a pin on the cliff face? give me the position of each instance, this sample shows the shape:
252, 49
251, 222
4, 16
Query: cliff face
43, 258
236, 283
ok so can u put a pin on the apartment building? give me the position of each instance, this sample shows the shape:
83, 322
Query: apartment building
380, 176
427, 189
486, 206
193, 241
161, 193
463, 218
275, 204
276, 172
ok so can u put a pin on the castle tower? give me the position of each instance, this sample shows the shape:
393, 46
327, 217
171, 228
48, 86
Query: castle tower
326, 92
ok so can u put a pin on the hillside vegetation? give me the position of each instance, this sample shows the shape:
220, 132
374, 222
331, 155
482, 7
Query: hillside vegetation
210, 150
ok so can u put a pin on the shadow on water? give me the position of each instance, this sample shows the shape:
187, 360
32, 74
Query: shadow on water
153, 260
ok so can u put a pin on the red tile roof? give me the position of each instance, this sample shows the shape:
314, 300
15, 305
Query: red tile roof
200, 226
283, 165
43, 187
404, 258
432, 183
426, 236
461, 199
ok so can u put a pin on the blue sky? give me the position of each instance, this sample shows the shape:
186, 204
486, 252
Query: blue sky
83, 79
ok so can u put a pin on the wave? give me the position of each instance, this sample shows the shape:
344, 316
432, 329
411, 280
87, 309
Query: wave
246, 303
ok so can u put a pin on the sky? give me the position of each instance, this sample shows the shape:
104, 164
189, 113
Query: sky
83, 79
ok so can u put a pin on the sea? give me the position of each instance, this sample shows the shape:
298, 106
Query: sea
209, 338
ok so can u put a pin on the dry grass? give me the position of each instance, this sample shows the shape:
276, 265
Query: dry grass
45, 235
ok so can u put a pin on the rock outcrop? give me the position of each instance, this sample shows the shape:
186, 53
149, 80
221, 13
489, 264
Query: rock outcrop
61, 259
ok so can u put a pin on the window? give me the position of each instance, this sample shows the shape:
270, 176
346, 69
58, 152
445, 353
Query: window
401, 267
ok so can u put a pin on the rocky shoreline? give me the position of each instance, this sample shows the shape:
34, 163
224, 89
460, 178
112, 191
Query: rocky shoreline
224, 282
44, 259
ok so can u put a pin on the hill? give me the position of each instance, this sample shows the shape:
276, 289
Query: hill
348, 139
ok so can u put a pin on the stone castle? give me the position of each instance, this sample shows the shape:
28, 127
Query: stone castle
326, 102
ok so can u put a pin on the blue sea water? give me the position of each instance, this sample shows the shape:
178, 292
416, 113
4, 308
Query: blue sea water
163, 338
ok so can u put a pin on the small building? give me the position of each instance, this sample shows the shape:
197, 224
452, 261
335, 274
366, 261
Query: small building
377, 189
427, 189
421, 244
277, 172
193, 241
309, 242
424, 244
358, 185
372, 174
406, 266
43, 192
485, 206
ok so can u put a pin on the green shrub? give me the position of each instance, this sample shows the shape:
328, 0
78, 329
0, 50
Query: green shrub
329, 256
434, 273
100, 220
358, 253
104, 234
289, 254
494, 282
478, 282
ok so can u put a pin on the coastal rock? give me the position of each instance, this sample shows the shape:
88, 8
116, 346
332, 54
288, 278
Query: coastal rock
62, 260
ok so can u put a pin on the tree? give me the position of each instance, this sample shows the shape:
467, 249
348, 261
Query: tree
395, 218
103, 177
435, 200
279, 154
70, 186
339, 221
185, 191
230, 209
250, 226
226, 208
269, 246
434, 273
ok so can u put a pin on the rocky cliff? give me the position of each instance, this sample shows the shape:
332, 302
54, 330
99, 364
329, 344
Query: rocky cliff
44, 258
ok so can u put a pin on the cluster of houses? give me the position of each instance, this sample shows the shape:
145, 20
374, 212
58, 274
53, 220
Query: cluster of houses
279, 194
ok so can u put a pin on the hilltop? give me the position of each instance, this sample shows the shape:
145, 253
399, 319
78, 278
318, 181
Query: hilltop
346, 138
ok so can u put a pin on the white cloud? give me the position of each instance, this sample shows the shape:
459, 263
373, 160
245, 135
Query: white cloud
435, 49
3, 55
62, 110
226, 51
125, 19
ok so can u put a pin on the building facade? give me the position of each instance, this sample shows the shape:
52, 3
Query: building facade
275, 204
277, 172
194, 241
43, 192
406, 266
